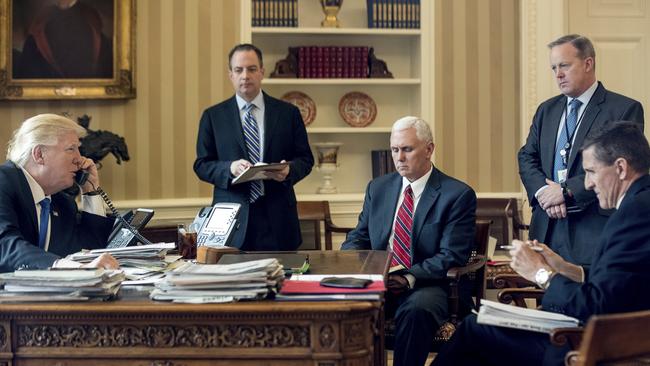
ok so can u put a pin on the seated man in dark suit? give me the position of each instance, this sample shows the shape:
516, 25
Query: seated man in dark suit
38, 223
427, 219
616, 160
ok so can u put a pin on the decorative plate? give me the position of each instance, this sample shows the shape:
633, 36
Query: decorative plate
357, 109
304, 103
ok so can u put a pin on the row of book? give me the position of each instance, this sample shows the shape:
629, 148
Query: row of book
332, 62
393, 13
275, 13
382, 163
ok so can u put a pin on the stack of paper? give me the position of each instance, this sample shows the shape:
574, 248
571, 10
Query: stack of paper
207, 283
139, 261
60, 285
308, 288
494, 313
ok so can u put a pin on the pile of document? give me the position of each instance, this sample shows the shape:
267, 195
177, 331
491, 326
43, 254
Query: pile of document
60, 285
305, 287
138, 262
509, 316
215, 283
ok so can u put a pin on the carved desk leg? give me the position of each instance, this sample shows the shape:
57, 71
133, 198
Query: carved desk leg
6, 353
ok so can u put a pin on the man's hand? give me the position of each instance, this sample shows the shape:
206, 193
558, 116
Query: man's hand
238, 166
551, 195
105, 261
525, 261
279, 175
93, 176
397, 283
557, 211
553, 259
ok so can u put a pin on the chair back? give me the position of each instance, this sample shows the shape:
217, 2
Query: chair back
506, 220
477, 278
314, 219
616, 339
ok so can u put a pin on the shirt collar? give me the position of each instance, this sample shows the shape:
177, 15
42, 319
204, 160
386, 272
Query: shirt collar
586, 96
258, 101
417, 185
620, 199
37, 192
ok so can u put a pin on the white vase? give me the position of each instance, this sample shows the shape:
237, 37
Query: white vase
327, 164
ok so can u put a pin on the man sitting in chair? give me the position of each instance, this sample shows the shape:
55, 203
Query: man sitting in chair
427, 219
616, 160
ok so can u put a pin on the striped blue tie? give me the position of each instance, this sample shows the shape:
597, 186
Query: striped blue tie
252, 138
571, 124
45, 218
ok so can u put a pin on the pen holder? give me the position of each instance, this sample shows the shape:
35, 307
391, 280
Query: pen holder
186, 243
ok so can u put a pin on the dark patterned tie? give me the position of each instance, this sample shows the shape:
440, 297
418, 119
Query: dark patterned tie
45, 218
403, 228
252, 138
571, 123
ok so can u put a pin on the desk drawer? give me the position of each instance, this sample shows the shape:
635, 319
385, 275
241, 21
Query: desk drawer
140, 362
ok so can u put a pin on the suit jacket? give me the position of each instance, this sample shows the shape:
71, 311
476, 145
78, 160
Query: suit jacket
221, 141
71, 230
536, 164
443, 224
617, 280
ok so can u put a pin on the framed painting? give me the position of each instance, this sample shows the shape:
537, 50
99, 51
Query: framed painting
67, 49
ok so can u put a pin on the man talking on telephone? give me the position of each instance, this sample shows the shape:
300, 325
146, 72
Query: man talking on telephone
39, 223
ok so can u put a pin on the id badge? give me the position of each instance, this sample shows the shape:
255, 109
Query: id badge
561, 175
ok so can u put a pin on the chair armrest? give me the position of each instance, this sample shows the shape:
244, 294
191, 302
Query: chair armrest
338, 229
455, 273
567, 336
519, 295
572, 358
505, 280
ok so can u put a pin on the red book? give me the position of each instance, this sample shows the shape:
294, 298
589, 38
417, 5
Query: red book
347, 62
302, 56
314, 287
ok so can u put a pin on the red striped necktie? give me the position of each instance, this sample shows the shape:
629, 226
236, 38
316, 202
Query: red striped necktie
403, 230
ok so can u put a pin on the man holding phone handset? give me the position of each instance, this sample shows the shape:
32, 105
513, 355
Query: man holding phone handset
39, 223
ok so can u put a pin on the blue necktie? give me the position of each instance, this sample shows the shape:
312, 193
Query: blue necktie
45, 218
571, 124
252, 138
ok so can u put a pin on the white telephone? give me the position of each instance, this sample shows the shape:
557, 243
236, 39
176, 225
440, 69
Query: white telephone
216, 224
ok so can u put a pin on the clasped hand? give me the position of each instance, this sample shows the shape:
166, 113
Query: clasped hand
551, 200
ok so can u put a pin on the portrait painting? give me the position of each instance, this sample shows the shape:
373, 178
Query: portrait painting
67, 49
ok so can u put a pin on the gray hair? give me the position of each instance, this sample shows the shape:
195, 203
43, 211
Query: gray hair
581, 43
422, 129
42, 129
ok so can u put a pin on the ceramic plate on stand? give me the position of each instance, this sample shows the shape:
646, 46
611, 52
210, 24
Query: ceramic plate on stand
357, 109
304, 103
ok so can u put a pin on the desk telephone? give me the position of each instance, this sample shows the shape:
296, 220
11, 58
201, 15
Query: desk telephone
125, 231
215, 225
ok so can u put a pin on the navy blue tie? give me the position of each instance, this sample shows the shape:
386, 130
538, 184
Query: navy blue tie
252, 138
45, 218
571, 124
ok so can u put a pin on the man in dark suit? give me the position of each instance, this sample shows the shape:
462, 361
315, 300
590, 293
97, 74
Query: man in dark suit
248, 128
564, 213
427, 219
38, 222
616, 160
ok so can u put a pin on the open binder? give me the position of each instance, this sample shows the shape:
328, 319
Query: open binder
258, 171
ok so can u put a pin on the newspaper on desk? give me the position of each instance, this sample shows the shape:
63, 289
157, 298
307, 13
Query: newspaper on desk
509, 316
213, 283
60, 285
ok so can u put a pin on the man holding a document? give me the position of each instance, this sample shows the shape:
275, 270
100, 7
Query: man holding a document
250, 129
616, 160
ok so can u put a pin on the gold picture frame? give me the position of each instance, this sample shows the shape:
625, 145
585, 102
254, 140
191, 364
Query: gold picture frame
32, 69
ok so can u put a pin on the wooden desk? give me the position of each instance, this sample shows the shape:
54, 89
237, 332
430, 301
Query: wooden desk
136, 331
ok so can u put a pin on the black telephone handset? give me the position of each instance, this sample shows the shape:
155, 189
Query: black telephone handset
81, 177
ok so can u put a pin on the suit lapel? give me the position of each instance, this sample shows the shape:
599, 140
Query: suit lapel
426, 203
390, 207
27, 201
591, 112
549, 135
235, 124
270, 123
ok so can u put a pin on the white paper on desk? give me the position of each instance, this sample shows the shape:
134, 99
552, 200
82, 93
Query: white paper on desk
258, 171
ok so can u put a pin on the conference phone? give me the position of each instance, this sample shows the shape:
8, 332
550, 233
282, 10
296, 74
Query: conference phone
215, 225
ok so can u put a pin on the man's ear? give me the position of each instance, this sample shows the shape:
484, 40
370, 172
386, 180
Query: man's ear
38, 154
621, 168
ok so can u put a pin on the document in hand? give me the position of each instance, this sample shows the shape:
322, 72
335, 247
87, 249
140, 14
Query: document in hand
509, 316
258, 171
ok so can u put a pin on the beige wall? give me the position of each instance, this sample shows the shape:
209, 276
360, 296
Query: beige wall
181, 63
477, 92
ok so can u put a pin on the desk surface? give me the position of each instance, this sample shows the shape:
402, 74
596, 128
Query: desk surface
136, 331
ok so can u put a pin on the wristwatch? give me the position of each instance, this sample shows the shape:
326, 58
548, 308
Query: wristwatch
543, 277
566, 193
